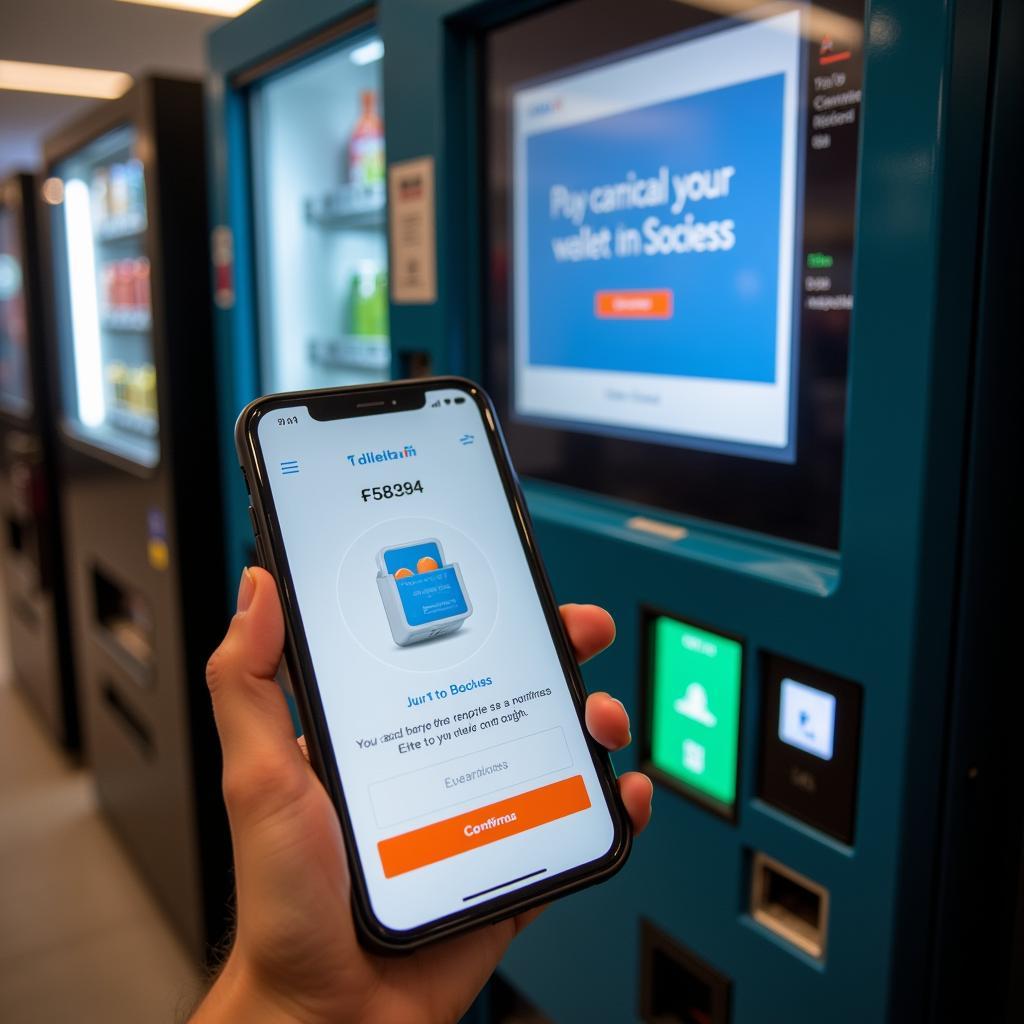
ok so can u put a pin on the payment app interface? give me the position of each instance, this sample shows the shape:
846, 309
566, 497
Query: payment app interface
464, 767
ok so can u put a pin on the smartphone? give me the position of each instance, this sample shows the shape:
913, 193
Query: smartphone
440, 699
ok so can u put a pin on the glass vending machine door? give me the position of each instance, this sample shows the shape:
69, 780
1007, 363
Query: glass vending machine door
319, 197
103, 290
15, 388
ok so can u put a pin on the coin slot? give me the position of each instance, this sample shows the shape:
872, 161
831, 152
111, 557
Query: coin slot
677, 987
789, 904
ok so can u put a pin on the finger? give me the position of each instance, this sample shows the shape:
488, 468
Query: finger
591, 629
607, 721
637, 792
252, 717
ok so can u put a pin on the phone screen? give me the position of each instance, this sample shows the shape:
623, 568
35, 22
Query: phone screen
464, 766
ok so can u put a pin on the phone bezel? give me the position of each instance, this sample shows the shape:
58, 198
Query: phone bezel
373, 933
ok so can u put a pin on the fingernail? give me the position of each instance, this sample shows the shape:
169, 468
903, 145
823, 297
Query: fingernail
246, 590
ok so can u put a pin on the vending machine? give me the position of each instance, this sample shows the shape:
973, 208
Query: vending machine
33, 555
739, 279
299, 198
137, 420
736, 277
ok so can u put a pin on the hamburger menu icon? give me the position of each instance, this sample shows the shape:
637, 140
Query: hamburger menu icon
423, 596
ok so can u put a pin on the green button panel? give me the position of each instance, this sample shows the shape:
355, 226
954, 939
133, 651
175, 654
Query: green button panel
694, 708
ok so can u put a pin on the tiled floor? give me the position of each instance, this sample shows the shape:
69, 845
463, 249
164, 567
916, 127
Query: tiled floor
80, 938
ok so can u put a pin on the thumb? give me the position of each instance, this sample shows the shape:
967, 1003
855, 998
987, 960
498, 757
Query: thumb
261, 759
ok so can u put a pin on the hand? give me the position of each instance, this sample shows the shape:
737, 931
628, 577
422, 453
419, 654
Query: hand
295, 955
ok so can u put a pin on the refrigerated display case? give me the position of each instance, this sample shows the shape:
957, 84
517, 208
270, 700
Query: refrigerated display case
298, 172
101, 245
319, 201
15, 386
137, 410
31, 540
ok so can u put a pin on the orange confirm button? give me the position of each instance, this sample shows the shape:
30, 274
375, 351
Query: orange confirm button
633, 305
485, 825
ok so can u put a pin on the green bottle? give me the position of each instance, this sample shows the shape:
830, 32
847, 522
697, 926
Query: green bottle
368, 301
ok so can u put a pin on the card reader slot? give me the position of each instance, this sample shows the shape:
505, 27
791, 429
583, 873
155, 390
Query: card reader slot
790, 905
125, 620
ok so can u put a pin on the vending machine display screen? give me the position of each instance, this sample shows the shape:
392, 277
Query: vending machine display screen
675, 223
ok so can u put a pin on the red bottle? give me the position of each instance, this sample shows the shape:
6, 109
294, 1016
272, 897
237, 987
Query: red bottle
366, 144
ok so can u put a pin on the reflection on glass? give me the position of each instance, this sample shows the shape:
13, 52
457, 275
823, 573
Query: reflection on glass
103, 289
15, 393
319, 174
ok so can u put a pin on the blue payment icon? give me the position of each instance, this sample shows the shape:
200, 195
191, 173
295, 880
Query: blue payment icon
424, 596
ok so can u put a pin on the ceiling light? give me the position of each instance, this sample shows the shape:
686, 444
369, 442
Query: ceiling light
85, 317
53, 191
367, 53
63, 81
221, 8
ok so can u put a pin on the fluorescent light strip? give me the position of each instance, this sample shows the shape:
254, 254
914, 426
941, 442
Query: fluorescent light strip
58, 80
85, 319
221, 8
367, 53
817, 21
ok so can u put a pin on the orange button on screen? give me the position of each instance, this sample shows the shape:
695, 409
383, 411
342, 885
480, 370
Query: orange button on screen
633, 305
485, 825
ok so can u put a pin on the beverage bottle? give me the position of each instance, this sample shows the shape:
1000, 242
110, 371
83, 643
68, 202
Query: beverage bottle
380, 304
124, 285
118, 201
366, 144
117, 374
135, 389
136, 189
109, 287
361, 299
140, 285
148, 373
100, 190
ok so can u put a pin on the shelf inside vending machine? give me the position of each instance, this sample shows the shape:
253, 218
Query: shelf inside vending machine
356, 352
352, 205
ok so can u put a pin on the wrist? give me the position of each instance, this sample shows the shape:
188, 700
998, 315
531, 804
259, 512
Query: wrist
237, 995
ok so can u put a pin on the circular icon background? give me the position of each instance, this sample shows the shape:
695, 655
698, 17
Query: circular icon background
362, 610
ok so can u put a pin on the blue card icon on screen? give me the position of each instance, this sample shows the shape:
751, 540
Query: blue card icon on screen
289, 467
424, 596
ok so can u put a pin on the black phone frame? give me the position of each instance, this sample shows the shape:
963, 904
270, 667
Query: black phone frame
372, 932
